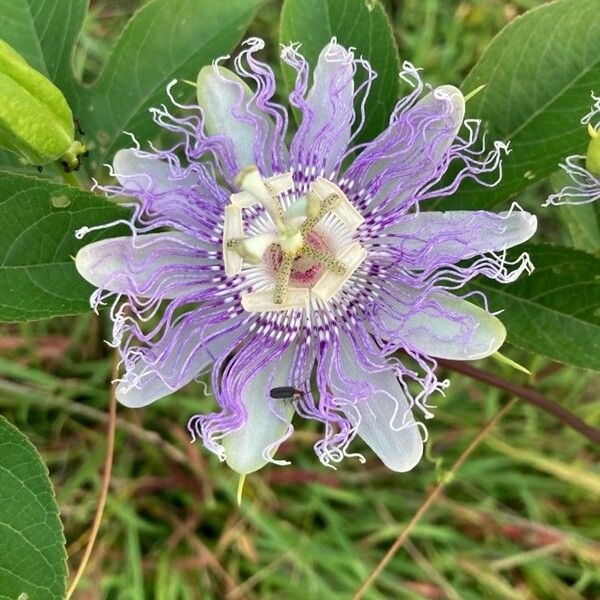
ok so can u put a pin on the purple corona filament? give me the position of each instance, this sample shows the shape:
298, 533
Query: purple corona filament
268, 268
582, 170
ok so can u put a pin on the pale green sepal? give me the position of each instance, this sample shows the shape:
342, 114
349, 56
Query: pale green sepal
240, 488
510, 363
474, 92
441, 475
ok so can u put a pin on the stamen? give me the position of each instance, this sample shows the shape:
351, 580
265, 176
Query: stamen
277, 184
244, 199
234, 243
344, 209
331, 283
259, 302
291, 239
233, 229
283, 277
325, 207
323, 258
252, 249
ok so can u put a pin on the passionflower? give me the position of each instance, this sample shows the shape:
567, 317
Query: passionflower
582, 170
306, 281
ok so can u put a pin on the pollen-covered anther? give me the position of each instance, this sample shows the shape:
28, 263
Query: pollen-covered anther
344, 209
283, 278
233, 229
332, 264
317, 210
331, 281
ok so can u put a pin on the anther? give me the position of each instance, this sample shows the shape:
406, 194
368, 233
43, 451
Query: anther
233, 229
283, 278
330, 283
325, 207
325, 259
344, 209
234, 243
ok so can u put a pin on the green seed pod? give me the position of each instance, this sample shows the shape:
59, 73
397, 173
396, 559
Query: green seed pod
592, 160
35, 120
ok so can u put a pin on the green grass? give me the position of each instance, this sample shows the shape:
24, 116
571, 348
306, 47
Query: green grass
519, 520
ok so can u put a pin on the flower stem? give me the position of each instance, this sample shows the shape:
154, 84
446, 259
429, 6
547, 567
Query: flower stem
437, 490
108, 462
528, 394
240, 488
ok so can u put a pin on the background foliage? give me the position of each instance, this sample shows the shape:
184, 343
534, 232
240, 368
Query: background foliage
520, 519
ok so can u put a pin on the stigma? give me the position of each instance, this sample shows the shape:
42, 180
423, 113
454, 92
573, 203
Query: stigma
295, 250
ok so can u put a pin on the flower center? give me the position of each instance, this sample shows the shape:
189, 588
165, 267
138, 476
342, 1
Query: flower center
306, 271
298, 256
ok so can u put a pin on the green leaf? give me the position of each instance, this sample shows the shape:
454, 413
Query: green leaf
165, 40
583, 226
361, 24
538, 74
44, 33
556, 310
32, 554
38, 278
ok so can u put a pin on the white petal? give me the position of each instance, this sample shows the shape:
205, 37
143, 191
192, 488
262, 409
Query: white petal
151, 265
331, 106
222, 93
383, 417
445, 129
162, 372
163, 192
444, 326
461, 234
414, 161
267, 420
143, 173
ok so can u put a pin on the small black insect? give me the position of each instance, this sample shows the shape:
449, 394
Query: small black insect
78, 126
285, 393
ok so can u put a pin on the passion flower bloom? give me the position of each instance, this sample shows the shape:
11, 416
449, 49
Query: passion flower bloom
584, 171
271, 268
